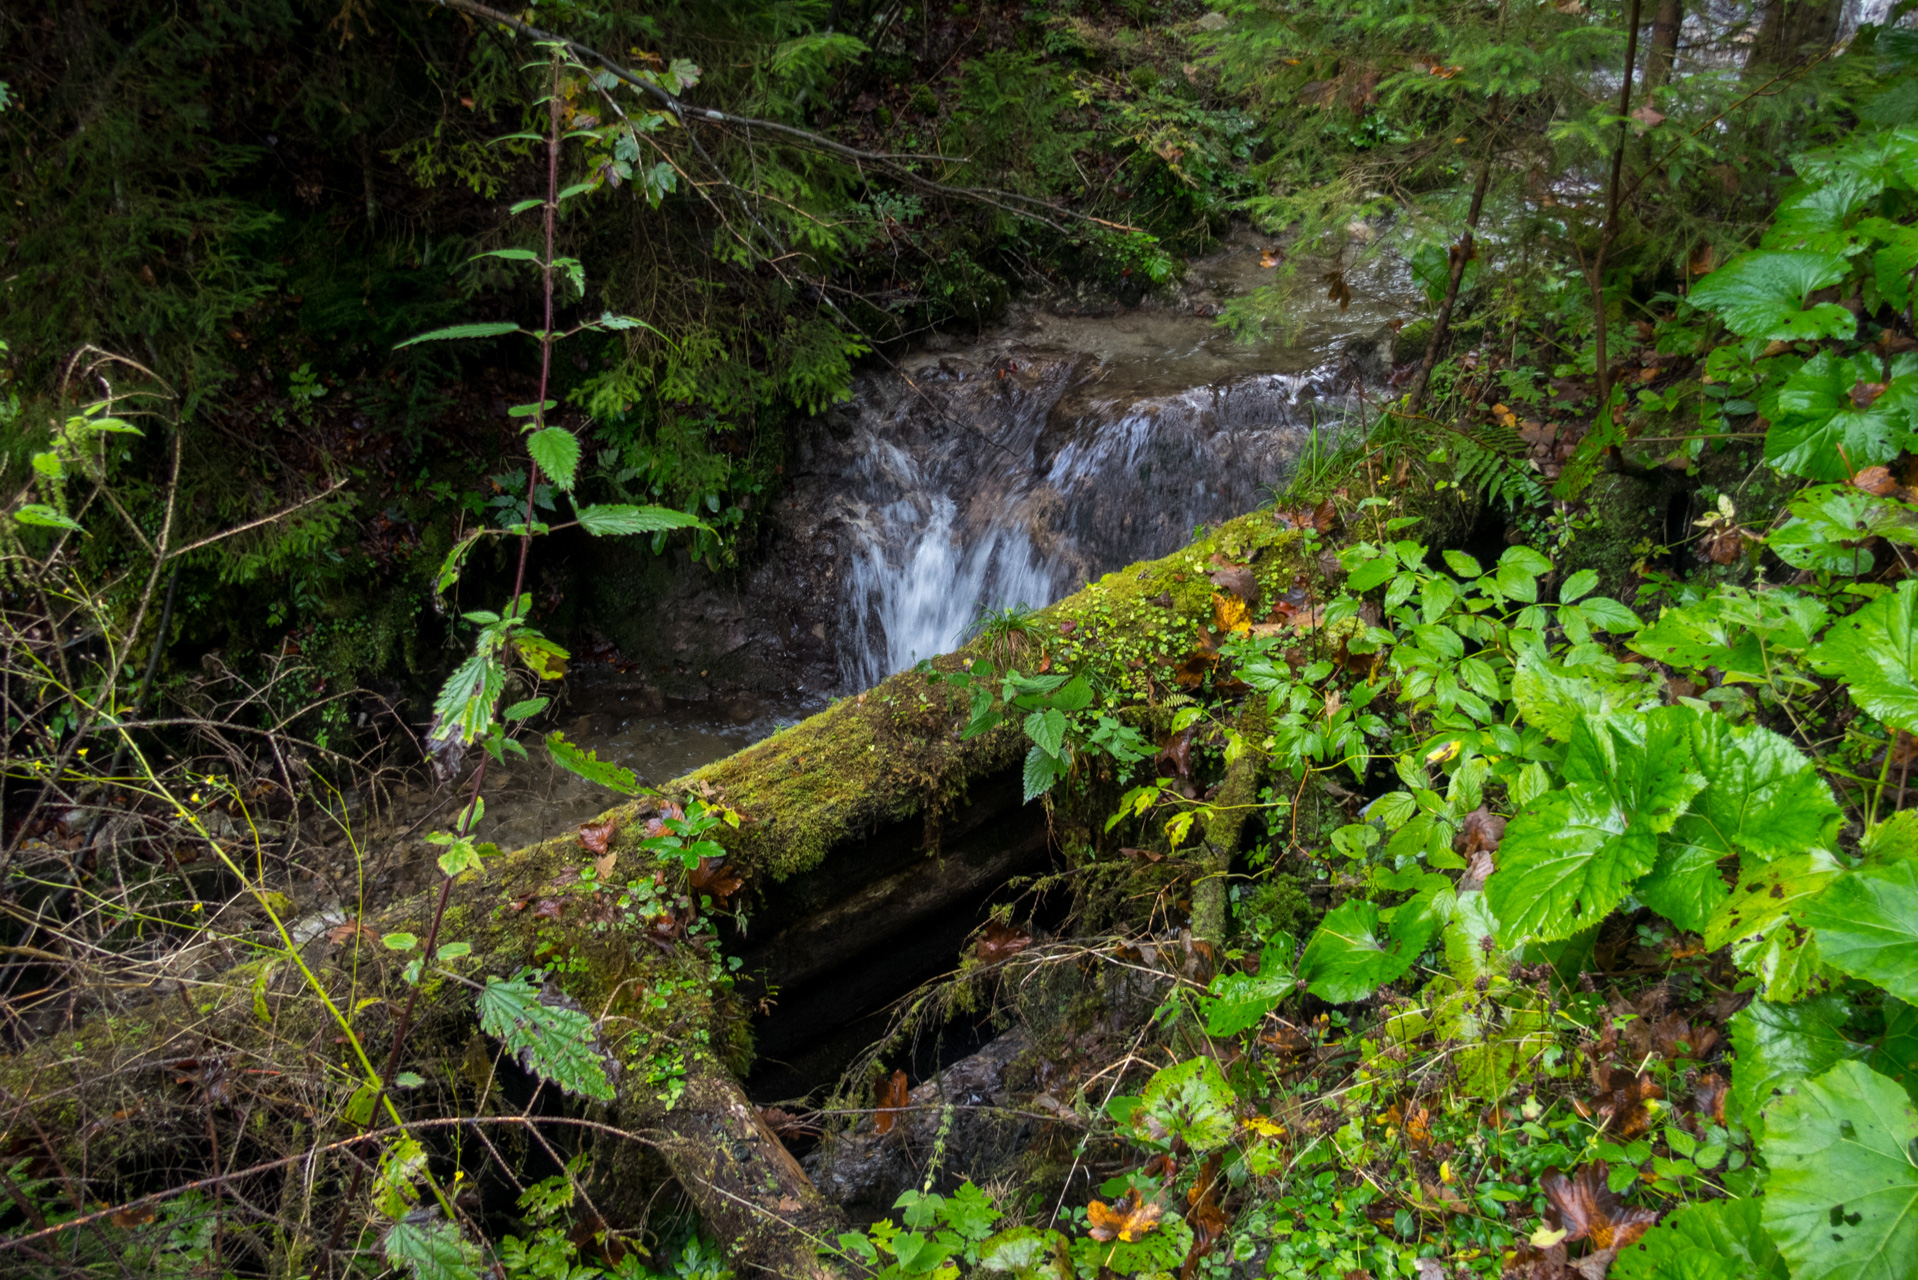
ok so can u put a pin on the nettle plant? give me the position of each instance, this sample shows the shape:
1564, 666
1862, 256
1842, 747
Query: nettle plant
550, 1034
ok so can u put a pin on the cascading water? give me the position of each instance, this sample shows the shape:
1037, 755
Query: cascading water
1009, 483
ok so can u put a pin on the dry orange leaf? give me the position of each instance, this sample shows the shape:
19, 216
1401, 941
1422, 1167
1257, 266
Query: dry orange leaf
893, 1096
1229, 614
1129, 1219
1002, 942
597, 837
1588, 1210
715, 879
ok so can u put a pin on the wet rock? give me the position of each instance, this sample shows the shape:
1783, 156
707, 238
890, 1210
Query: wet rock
864, 1171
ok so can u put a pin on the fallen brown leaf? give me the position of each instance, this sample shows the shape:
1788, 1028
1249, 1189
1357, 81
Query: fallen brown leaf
893, 1096
598, 836
1128, 1219
1001, 942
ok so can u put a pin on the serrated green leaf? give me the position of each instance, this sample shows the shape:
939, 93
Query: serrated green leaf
1553, 697
555, 450
1896, 1054
464, 709
1692, 1240
1190, 1101
1042, 772
1842, 1199
1867, 923
1755, 922
1349, 956
1762, 295
1820, 432
1461, 564
553, 1038
1745, 635
431, 1249
480, 329
1577, 585
1875, 651
1781, 1045
1471, 941
1241, 1000
1028, 1253
607, 520
601, 773
1047, 729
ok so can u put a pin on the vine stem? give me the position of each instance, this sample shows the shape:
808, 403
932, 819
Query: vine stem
469, 816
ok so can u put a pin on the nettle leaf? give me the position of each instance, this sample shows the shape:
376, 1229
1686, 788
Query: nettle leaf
1781, 1045
1755, 921
1693, 1239
1047, 729
1190, 1101
1822, 433
1042, 772
431, 1248
464, 708
556, 452
1867, 923
1349, 956
481, 329
1762, 295
548, 1031
1842, 1199
601, 773
609, 520
1875, 651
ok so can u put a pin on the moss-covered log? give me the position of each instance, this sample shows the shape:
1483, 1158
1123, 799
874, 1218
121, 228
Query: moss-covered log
816, 798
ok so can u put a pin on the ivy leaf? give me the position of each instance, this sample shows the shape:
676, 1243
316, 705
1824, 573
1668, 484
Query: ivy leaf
1348, 957
1822, 433
1875, 651
1842, 1200
431, 1248
608, 520
556, 452
1867, 923
1781, 1045
552, 1036
1695, 1238
481, 329
1762, 295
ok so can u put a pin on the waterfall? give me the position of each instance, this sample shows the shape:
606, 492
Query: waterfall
975, 488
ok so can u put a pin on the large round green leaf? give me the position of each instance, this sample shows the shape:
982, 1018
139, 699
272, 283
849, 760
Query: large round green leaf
1823, 433
1875, 651
1716, 1238
1842, 1201
1762, 295
1867, 923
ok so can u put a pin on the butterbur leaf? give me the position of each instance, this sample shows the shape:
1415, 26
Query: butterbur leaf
1762, 295
556, 451
1820, 430
1867, 923
552, 1036
1755, 921
1875, 652
1190, 1101
1724, 1233
1027, 1252
1781, 1045
1842, 1199
1241, 1000
1349, 956
610, 520
430, 1248
482, 329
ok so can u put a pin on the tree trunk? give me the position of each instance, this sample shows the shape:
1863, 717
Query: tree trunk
1226, 824
1662, 54
1793, 32
1462, 254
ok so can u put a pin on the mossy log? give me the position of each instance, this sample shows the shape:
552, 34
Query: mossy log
815, 797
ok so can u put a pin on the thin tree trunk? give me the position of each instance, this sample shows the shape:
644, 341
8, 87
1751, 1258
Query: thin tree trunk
1611, 220
1791, 31
1662, 55
1462, 253
1226, 825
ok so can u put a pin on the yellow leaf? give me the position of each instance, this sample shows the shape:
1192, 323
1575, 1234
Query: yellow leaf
1228, 613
